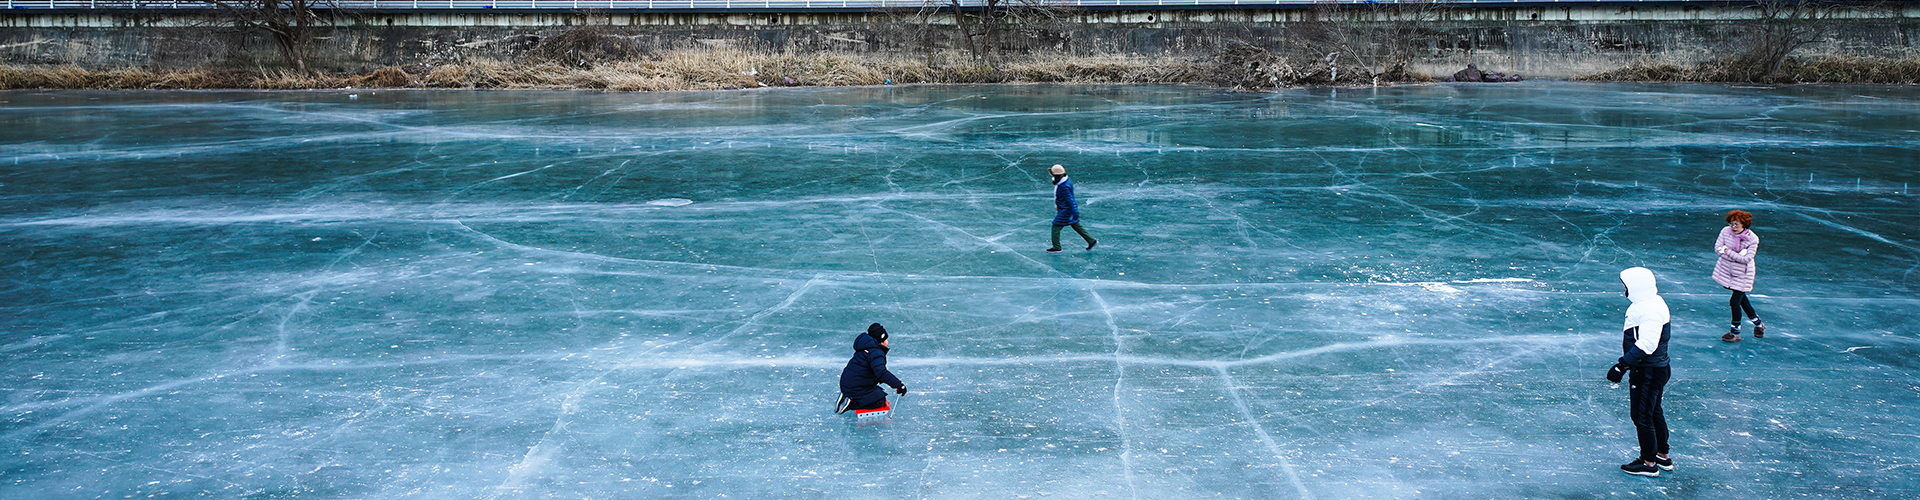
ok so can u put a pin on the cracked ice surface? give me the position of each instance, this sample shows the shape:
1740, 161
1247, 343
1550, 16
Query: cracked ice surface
1394, 293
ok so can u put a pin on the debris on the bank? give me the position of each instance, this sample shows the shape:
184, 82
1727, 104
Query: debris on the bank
1472, 74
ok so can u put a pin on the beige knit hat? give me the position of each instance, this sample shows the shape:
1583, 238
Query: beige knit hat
1058, 170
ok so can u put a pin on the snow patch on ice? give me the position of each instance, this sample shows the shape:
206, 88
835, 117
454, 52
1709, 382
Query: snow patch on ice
1431, 286
1447, 287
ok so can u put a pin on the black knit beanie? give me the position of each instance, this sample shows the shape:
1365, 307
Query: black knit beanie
879, 333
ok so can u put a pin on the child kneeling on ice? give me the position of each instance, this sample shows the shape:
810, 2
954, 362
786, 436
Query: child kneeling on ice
860, 381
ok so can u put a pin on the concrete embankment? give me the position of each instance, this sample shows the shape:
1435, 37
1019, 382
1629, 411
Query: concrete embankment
1541, 42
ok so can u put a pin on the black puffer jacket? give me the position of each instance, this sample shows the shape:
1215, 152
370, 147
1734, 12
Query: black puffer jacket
868, 368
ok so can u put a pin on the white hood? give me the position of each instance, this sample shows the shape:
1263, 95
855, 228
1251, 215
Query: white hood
1649, 311
1640, 285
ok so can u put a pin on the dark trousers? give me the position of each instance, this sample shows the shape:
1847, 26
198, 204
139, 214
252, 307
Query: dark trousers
1738, 303
1077, 229
865, 398
1648, 387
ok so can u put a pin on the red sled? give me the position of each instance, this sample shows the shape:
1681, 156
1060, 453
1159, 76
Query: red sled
882, 412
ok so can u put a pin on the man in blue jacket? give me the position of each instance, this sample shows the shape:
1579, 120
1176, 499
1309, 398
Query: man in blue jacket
1644, 362
860, 381
1066, 209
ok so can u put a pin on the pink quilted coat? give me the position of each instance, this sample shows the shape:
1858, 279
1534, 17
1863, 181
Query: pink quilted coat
1735, 268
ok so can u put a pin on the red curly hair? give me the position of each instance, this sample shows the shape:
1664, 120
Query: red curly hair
1741, 216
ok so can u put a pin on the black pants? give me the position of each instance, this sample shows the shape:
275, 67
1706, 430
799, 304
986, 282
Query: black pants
865, 398
1077, 229
1738, 303
1648, 387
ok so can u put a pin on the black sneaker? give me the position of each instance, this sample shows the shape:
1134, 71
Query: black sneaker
1759, 329
1053, 250
1091, 244
1663, 463
1639, 468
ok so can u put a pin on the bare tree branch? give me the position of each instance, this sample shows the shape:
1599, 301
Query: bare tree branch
290, 23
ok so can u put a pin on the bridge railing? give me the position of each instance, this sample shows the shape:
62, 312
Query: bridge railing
721, 5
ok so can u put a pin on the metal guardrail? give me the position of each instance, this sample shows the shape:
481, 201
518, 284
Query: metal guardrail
719, 5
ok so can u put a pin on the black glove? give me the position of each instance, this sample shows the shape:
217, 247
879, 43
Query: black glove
902, 390
1614, 374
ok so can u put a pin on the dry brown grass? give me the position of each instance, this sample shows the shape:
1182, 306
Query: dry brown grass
694, 69
1853, 70
1822, 69
584, 47
289, 80
1106, 69
1242, 66
73, 77
1642, 72
385, 78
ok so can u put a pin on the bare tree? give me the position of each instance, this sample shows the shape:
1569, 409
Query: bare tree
1373, 41
1243, 66
595, 42
1779, 27
985, 28
988, 26
1758, 50
1333, 43
910, 26
290, 23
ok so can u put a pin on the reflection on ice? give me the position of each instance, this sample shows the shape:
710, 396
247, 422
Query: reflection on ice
1401, 293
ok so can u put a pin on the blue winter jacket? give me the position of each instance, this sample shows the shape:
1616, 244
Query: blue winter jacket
1636, 358
863, 374
1066, 210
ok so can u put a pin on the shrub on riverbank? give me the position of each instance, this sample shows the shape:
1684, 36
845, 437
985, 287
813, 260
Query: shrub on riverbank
1827, 69
72, 77
720, 69
702, 69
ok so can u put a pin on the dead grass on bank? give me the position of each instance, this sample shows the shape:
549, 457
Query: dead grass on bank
701, 69
720, 69
1824, 69
1853, 70
1107, 69
72, 77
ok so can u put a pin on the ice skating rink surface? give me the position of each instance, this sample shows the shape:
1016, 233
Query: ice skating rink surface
1404, 292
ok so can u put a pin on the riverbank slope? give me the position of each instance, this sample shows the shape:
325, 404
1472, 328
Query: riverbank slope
1244, 48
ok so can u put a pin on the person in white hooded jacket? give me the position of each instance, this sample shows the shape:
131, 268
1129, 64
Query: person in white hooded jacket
1643, 358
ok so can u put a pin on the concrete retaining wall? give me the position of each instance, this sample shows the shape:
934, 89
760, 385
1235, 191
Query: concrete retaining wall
1542, 42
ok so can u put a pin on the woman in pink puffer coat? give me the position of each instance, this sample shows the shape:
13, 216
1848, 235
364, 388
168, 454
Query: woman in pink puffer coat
1737, 246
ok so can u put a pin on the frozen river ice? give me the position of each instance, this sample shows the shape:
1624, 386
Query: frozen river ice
1359, 293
